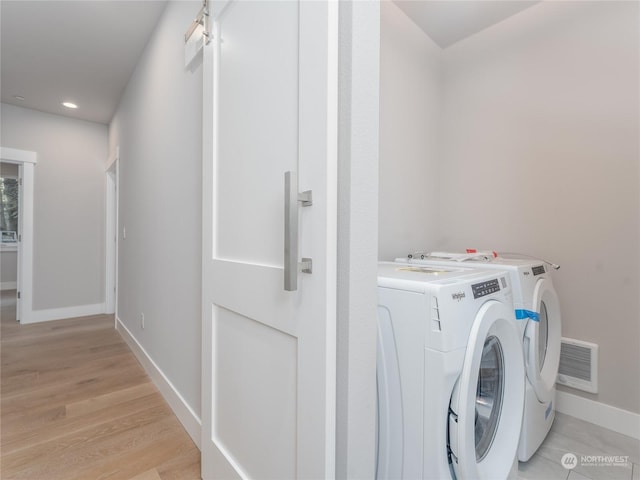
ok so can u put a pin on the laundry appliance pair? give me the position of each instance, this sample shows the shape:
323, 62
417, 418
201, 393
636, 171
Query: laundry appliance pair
537, 312
456, 396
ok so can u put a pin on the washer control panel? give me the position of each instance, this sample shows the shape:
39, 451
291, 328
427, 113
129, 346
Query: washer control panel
485, 288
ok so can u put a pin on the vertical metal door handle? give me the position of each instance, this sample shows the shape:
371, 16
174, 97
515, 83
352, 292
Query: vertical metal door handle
291, 200
290, 231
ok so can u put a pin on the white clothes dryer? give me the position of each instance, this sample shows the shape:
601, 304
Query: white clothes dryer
450, 374
537, 312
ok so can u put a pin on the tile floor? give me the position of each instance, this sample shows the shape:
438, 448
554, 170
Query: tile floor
570, 435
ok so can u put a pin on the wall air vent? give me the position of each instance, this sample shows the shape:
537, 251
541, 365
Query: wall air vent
578, 365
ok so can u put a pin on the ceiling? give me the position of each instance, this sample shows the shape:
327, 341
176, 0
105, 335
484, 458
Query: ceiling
449, 21
85, 51
82, 51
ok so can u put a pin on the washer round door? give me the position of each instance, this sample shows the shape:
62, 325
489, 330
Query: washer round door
542, 338
487, 403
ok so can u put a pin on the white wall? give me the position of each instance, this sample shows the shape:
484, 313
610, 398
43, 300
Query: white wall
68, 257
410, 68
8, 269
540, 155
9, 169
537, 151
157, 127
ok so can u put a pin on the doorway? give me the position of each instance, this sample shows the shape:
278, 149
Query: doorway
111, 240
17, 228
9, 230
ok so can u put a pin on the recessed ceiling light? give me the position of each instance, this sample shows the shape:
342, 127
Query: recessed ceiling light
18, 97
69, 105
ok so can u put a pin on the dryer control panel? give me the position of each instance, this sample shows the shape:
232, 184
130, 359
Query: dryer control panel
538, 270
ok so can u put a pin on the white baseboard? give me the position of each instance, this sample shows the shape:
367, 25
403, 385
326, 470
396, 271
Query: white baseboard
613, 418
190, 421
8, 285
66, 312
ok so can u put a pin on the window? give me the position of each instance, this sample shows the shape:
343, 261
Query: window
8, 208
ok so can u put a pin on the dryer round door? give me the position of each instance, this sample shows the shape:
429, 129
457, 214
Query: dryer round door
542, 338
487, 403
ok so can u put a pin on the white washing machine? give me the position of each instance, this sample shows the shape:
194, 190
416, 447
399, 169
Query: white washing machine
450, 374
537, 310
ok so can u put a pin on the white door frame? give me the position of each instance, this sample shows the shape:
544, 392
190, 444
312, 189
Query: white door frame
111, 235
359, 51
26, 161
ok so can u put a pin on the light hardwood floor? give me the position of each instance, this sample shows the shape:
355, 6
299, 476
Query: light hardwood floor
76, 404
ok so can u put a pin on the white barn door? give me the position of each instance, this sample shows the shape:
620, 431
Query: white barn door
268, 353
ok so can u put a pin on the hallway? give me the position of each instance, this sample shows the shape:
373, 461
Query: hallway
76, 404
